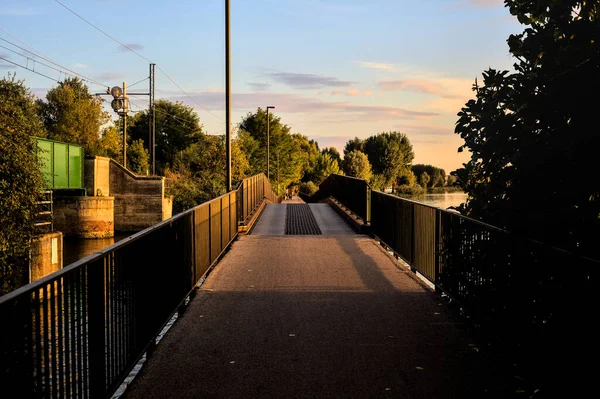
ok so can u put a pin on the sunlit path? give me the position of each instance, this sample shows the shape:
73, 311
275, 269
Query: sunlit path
313, 316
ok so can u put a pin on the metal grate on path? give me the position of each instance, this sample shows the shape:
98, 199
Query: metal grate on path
299, 220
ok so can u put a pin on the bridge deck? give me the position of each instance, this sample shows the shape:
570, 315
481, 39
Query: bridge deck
320, 316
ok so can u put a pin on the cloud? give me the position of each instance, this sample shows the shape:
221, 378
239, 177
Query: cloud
351, 92
132, 46
292, 103
110, 76
450, 88
81, 66
259, 86
307, 80
376, 65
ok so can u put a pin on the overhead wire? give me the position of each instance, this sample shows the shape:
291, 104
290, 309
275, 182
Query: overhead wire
38, 62
39, 55
139, 55
140, 81
30, 70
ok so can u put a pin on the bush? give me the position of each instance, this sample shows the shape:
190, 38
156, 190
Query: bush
308, 188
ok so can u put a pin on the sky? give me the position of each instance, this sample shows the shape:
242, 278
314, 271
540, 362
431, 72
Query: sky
333, 69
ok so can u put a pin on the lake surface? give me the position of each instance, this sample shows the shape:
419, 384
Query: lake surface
443, 200
78, 248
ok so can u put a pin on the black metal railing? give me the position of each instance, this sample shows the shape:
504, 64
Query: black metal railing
352, 192
534, 299
78, 332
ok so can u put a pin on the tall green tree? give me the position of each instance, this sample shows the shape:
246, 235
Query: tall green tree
530, 132
356, 163
138, 160
20, 180
355, 144
283, 145
72, 114
390, 155
177, 127
111, 143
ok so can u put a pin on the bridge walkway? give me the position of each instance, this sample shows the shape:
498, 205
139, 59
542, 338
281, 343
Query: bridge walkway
314, 316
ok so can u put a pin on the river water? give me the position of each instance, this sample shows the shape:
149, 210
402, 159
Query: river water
78, 248
443, 200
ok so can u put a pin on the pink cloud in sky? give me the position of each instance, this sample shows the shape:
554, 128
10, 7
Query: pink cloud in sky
292, 103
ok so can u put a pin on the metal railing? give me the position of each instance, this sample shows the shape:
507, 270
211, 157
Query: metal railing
354, 193
78, 332
44, 215
533, 299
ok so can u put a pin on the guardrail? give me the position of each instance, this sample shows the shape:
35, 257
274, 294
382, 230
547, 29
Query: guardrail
534, 299
78, 332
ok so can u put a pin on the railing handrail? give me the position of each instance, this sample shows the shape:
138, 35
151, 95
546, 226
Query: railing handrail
31, 287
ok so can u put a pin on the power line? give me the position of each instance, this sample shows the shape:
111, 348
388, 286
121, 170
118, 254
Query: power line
140, 81
30, 70
72, 73
38, 62
139, 55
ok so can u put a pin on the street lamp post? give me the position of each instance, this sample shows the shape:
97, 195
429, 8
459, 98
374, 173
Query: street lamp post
268, 107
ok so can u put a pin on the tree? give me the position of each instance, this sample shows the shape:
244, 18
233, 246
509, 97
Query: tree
111, 144
522, 125
355, 144
356, 163
437, 175
451, 181
407, 178
424, 179
177, 128
20, 180
292, 149
377, 182
333, 153
138, 160
390, 154
308, 188
73, 115
324, 166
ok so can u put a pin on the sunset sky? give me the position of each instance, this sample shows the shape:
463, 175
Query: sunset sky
334, 69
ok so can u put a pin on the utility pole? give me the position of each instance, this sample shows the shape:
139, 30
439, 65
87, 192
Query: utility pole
227, 95
277, 172
152, 123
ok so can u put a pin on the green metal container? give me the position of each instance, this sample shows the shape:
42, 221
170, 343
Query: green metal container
61, 164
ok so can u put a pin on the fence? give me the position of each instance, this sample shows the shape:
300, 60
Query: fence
534, 299
352, 192
78, 332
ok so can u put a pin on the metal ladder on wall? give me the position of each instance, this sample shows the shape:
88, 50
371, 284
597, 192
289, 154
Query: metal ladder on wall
44, 216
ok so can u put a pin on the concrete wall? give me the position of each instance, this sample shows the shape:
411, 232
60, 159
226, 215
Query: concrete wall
97, 176
85, 217
139, 200
46, 255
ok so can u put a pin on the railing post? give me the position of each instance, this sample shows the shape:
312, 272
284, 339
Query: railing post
368, 210
438, 248
412, 239
96, 330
